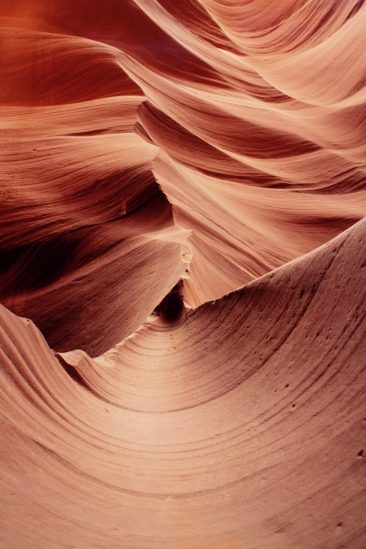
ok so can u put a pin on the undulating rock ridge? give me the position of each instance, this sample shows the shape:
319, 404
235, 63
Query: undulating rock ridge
241, 425
182, 274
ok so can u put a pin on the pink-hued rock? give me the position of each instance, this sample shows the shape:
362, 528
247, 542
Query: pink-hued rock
182, 274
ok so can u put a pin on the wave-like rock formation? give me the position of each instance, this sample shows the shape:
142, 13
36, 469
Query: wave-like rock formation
183, 274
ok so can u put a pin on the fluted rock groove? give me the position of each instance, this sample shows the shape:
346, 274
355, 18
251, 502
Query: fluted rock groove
182, 274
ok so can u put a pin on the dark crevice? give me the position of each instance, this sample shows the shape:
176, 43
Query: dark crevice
171, 308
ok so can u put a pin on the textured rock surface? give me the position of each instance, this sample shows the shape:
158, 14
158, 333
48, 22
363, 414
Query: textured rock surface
183, 274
